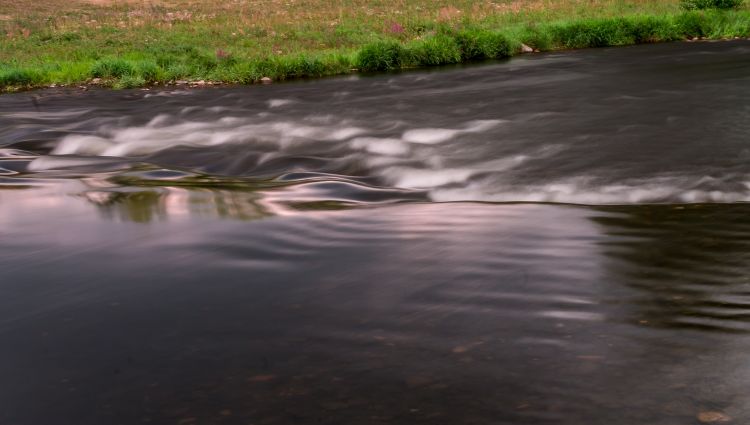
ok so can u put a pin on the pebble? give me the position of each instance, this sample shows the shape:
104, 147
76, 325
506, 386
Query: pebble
266, 80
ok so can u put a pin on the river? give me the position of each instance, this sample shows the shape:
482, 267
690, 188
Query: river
561, 238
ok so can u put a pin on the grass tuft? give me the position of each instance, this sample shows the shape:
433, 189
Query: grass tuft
693, 24
112, 68
381, 56
650, 29
437, 50
130, 82
593, 33
482, 44
19, 77
148, 70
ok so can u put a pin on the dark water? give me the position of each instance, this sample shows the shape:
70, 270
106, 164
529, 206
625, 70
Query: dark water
560, 239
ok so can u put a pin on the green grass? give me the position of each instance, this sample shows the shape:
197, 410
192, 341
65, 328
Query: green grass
710, 4
483, 44
126, 58
11, 76
381, 56
112, 68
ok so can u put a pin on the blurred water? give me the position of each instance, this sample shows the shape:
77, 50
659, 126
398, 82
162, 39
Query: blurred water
286, 254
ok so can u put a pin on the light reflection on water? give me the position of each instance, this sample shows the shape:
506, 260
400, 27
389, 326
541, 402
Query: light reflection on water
421, 312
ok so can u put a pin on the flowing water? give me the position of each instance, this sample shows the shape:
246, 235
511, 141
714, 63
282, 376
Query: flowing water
557, 239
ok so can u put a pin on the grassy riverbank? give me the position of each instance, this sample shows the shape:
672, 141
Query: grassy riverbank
130, 43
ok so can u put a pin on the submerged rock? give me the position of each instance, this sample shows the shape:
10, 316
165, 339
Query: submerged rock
711, 417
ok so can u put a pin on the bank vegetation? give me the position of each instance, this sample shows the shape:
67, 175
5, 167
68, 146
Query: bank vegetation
134, 43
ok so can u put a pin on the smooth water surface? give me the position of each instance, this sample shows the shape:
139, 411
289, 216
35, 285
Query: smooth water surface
558, 239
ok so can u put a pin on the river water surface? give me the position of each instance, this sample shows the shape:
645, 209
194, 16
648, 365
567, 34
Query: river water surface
557, 239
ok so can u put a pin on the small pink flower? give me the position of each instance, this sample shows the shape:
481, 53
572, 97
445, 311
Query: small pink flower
396, 28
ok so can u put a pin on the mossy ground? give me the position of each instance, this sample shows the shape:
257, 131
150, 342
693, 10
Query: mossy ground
131, 43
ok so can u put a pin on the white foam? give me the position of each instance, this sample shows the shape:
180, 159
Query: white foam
581, 191
417, 160
171, 93
163, 132
433, 178
82, 145
159, 120
380, 146
478, 126
276, 103
573, 315
431, 136
383, 161
345, 133
409, 178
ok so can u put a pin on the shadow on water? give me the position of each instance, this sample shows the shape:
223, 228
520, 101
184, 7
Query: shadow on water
139, 207
689, 263
144, 206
